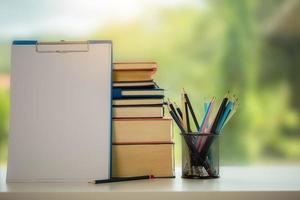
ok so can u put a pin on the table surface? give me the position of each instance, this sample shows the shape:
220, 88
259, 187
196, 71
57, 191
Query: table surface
257, 179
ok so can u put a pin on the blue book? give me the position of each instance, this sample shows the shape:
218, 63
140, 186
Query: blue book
138, 93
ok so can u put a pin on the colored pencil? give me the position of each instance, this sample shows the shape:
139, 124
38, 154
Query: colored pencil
191, 109
178, 110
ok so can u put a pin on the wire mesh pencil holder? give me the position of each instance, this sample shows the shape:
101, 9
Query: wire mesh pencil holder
200, 155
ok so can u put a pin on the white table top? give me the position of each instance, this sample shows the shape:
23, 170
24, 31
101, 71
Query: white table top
238, 182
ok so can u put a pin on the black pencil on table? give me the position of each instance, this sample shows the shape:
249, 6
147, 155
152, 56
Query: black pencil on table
122, 179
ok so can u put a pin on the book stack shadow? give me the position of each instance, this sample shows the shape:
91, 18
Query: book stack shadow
142, 137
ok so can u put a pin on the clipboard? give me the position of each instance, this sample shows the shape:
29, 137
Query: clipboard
60, 125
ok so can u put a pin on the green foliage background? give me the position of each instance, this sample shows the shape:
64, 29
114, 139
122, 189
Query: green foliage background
208, 51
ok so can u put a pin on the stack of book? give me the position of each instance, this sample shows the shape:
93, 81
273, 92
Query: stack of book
142, 137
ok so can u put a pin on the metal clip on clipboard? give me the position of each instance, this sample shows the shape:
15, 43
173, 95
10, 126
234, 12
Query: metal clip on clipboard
62, 47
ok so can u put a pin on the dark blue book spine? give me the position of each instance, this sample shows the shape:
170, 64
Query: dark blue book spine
117, 93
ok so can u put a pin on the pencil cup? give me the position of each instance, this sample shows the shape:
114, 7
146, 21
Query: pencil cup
200, 155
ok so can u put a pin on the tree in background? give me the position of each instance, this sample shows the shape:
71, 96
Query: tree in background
257, 133
209, 51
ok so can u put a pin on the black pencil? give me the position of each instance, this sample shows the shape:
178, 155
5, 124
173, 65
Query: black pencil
122, 179
191, 109
219, 114
177, 121
178, 110
171, 106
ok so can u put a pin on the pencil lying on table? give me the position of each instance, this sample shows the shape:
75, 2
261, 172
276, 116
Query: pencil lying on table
133, 178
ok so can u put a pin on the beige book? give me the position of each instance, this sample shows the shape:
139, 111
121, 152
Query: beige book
143, 159
145, 92
138, 111
142, 130
134, 65
133, 75
122, 102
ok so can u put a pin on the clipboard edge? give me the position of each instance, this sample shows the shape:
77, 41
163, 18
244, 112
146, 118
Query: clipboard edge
35, 42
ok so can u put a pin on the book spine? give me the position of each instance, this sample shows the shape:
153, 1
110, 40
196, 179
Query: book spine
117, 93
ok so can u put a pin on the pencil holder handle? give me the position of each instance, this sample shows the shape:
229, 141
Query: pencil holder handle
200, 155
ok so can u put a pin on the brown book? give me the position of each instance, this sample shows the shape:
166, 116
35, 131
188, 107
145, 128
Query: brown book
138, 130
135, 65
133, 75
143, 159
138, 111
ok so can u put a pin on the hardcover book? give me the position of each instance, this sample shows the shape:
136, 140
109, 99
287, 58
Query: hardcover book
138, 130
134, 84
137, 111
143, 159
119, 93
133, 75
135, 65
135, 102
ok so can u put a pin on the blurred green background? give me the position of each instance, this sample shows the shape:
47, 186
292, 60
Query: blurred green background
249, 47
